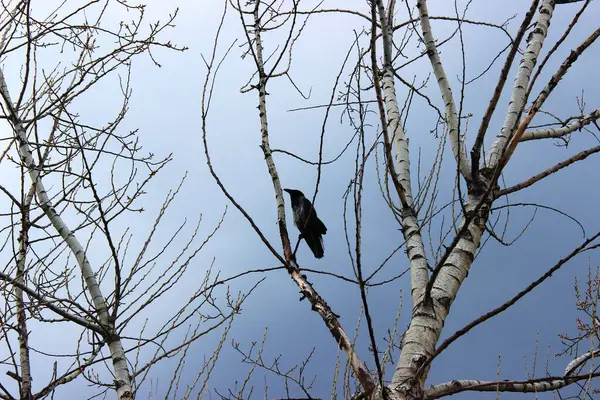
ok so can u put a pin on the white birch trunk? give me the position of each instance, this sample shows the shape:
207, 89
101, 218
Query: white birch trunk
25, 370
428, 319
426, 324
122, 377
410, 225
521, 83
458, 147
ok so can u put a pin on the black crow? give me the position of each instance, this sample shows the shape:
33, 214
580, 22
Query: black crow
305, 218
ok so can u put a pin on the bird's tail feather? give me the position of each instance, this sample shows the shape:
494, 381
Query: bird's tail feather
315, 242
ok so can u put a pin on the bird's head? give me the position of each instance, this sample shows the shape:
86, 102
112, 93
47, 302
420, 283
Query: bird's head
294, 193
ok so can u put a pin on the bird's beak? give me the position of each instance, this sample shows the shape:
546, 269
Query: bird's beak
287, 190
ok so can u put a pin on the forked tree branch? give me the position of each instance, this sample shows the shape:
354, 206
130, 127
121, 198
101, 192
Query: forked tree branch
541, 98
489, 112
400, 171
519, 91
121, 369
47, 302
528, 386
458, 147
461, 332
317, 302
553, 133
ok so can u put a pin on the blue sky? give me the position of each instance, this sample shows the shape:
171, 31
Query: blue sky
165, 106
498, 273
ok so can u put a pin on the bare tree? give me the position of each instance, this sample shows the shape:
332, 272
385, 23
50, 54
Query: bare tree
75, 266
437, 265
78, 270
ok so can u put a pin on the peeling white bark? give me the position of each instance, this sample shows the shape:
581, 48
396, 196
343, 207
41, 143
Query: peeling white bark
428, 317
456, 267
452, 387
560, 132
428, 320
581, 360
21, 313
418, 343
410, 225
122, 377
521, 83
458, 147
415, 250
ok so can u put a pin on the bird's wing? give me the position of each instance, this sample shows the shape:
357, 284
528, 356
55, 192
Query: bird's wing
315, 242
318, 225
314, 223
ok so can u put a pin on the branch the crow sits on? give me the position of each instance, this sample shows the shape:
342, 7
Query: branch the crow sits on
305, 218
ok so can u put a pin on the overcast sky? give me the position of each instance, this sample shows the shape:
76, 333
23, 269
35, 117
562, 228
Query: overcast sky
165, 107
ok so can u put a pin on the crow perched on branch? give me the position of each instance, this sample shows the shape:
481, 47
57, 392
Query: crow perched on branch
305, 218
